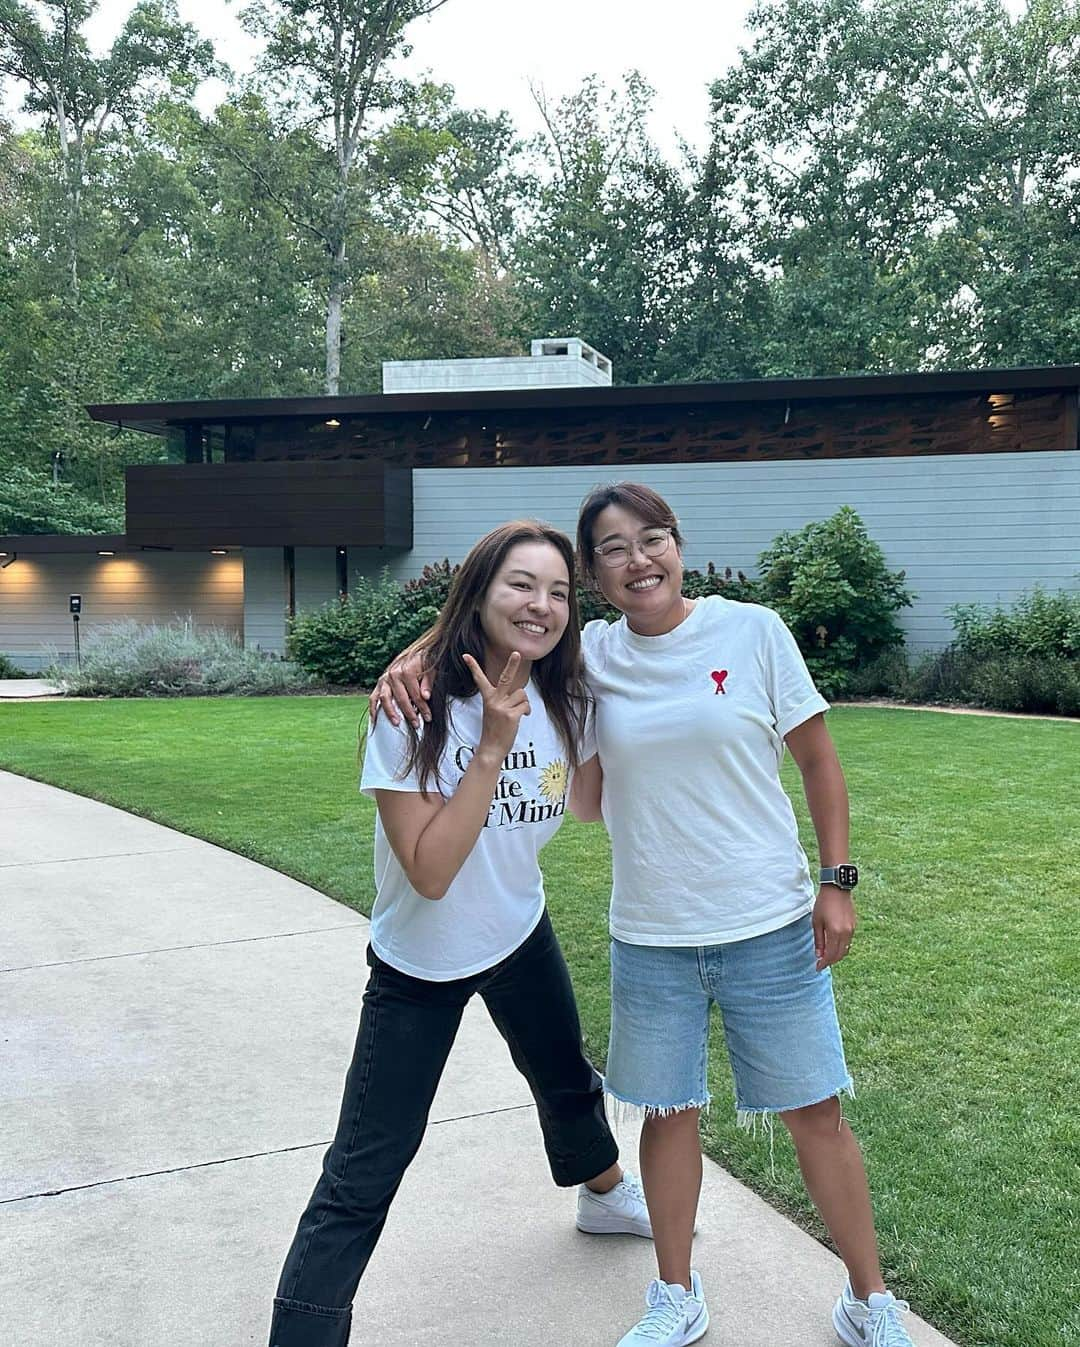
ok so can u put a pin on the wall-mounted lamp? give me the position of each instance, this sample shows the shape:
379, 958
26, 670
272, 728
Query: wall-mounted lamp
333, 422
106, 554
6, 558
219, 552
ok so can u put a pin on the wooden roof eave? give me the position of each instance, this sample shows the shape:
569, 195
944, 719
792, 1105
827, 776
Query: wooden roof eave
158, 417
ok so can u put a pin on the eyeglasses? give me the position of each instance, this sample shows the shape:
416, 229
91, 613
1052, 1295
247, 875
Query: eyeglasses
653, 544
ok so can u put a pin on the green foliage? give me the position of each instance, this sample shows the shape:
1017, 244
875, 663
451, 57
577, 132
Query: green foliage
605, 246
830, 584
906, 171
132, 659
886, 675
1038, 624
9, 670
1047, 683
350, 641
30, 503
1023, 658
431, 588
593, 605
726, 583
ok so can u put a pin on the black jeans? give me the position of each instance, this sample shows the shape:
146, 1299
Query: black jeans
407, 1028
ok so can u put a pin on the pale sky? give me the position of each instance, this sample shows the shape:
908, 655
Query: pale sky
490, 50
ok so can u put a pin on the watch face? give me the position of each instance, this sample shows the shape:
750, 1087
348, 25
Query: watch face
847, 876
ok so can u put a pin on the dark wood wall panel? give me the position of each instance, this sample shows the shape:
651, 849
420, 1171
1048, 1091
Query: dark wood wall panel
311, 504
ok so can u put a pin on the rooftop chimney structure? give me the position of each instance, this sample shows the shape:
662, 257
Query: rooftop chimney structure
557, 362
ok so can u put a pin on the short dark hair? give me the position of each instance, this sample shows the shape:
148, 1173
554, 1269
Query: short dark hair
639, 499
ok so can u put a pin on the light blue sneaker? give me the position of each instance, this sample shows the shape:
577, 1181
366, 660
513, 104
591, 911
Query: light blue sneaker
870, 1323
674, 1316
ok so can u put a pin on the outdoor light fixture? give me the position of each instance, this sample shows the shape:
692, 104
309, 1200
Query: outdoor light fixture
106, 554
218, 552
7, 560
332, 422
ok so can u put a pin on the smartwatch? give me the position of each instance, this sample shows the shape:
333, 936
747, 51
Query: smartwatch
842, 876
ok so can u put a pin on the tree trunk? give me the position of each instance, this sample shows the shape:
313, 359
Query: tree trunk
334, 301
72, 181
336, 293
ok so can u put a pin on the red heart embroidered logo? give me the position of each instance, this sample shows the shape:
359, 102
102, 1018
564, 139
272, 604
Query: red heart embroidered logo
718, 677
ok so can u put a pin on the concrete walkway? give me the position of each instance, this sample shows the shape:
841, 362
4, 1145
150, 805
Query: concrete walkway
23, 689
176, 1024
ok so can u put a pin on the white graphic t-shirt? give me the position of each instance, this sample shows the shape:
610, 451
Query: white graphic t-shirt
497, 897
690, 729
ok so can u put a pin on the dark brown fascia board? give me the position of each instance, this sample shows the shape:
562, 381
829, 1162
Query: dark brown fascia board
56, 544
156, 417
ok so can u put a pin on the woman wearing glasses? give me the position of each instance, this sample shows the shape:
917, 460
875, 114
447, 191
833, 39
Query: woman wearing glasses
712, 898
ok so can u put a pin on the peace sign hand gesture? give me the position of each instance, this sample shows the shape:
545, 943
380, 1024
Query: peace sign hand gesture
504, 705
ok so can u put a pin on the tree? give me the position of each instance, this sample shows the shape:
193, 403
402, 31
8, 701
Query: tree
328, 60
907, 177
603, 250
80, 97
30, 503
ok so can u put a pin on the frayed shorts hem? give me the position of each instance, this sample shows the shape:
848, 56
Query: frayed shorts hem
747, 1117
630, 1112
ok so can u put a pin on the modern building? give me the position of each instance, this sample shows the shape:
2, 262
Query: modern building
970, 481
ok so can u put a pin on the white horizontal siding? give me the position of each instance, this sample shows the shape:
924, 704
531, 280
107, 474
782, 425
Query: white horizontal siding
142, 586
966, 528
266, 590
265, 598
316, 576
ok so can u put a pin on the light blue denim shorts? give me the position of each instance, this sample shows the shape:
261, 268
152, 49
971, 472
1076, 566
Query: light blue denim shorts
778, 1013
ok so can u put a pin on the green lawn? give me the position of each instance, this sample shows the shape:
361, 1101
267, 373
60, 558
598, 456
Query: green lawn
959, 1003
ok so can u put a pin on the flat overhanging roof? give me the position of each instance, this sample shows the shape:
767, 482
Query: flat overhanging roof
64, 544
156, 417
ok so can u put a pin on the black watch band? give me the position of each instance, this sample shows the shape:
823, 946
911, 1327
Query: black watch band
842, 876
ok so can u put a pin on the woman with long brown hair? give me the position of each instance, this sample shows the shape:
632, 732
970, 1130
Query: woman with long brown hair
465, 803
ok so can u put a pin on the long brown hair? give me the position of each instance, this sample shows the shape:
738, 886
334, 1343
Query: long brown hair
649, 506
559, 675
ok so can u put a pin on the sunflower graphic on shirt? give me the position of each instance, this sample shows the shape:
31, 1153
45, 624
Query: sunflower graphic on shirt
553, 781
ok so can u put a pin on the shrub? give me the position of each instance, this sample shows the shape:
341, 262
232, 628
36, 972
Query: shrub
830, 584
1046, 684
1038, 623
431, 588
352, 640
9, 670
886, 675
1023, 658
947, 676
133, 659
700, 584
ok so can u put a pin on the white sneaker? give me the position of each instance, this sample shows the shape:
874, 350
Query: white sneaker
870, 1323
674, 1316
621, 1211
